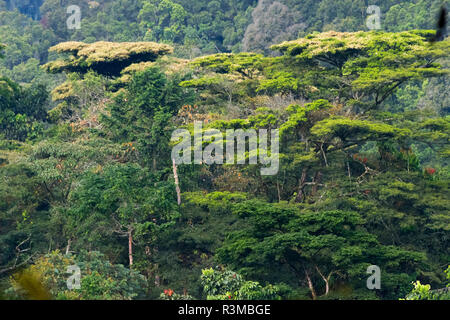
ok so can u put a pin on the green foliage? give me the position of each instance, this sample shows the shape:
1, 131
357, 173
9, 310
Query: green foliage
215, 201
364, 64
423, 292
107, 58
228, 285
22, 110
122, 199
246, 64
164, 20
194, 27
281, 244
356, 129
100, 279
363, 173
27, 43
300, 116
142, 113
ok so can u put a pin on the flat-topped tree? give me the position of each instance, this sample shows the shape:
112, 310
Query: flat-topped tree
226, 75
83, 62
105, 58
363, 67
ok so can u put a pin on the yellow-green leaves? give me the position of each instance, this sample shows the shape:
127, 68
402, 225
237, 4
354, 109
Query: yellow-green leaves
346, 128
362, 67
104, 57
298, 115
245, 63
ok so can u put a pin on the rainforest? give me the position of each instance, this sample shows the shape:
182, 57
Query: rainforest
119, 179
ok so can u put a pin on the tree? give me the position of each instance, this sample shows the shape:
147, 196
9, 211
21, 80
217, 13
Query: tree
105, 66
423, 292
227, 76
22, 109
359, 69
142, 114
184, 249
228, 285
127, 200
20, 208
163, 21
282, 244
363, 152
364, 68
25, 38
106, 58
47, 278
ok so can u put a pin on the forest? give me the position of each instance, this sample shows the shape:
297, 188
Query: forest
94, 206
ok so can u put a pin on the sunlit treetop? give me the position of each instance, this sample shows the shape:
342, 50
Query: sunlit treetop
351, 130
106, 58
127, 72
169, 65
367, 65
136, 67
246, 63
63, 91
334, 47
435, 132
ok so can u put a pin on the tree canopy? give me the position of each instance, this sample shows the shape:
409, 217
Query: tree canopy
356, 119
103, 57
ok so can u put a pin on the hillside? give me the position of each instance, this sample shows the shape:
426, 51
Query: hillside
174, 149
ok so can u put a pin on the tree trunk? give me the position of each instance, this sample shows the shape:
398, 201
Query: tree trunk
317, 180
300, 195
326, 280
310, 285
278, 191
349, 173
177, 186
130, 246
68, 246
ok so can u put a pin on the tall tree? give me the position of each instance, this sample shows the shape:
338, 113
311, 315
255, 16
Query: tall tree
127, 200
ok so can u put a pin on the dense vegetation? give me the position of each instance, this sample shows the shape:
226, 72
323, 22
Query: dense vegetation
87, 176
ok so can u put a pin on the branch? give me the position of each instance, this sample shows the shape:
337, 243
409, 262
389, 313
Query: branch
177, 186
327, 279
19, 251
324, 156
